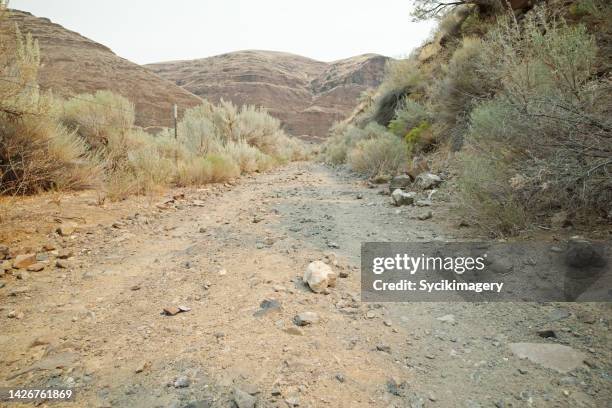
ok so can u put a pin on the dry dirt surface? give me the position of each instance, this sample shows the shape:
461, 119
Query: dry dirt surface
232, 258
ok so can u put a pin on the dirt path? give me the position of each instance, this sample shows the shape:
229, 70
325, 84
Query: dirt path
222, 253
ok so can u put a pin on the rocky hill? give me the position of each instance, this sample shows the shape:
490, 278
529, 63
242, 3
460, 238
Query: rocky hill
72, 64
307, 95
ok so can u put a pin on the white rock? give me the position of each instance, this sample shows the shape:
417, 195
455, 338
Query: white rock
319, 276
400, 197
306, 318
428, 180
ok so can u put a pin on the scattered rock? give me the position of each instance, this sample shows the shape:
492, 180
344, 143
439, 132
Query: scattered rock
558, 314
423, 203
36, 267
344, 274
449, 318
388, 323
402, 182
6, 265
427, 181
222, 272
23, 261
182, 382
400, 197
66, 230
319, 276
293, 401
397, 388
2, 284
359, 196
340, 377
243, 399
172, 310
384, 348
425, 216
266, 306
142, 367
306, 318
554, 356
65, 254
49, 247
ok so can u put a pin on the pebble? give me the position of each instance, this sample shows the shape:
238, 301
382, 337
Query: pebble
243, 399
306, 318
36, 267
182, 382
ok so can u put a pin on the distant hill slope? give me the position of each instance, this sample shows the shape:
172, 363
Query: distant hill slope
307, 95
74, 64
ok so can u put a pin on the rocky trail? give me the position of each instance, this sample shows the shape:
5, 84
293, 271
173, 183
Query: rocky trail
199, 301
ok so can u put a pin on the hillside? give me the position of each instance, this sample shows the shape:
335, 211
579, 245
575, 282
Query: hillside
72, 64
307, 95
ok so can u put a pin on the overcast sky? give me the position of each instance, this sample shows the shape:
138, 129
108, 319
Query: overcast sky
146, 31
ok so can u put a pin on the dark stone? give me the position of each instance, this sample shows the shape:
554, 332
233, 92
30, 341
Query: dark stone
583, 254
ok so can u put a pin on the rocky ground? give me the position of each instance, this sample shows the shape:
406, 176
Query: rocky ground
198, 301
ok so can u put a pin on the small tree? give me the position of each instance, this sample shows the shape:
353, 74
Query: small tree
426, 9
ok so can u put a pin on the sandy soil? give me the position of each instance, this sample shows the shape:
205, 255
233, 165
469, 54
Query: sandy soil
221, 251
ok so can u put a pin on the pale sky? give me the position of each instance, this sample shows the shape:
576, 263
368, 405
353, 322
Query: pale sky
145, 31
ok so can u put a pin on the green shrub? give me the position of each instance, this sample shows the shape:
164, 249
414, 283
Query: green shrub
549, 125
223, 168
409, 115
383, 155
99, 117
462, 83
413, 137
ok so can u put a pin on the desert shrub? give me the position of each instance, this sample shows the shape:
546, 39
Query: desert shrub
223, 167
409, 115
36, 153
548, 126
462, 84
415, 136
491, 195
344, 138
99, 117
211, 128
382, 155
401, 73
196, 171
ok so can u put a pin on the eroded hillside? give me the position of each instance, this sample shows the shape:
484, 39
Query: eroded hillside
307, 95
72, 64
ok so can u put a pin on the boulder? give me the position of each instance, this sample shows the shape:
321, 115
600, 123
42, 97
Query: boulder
400, 197
319, 276
402, 182
427, 181
23, 261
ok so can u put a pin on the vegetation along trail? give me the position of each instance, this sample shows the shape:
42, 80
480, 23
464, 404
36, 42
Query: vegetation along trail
229, 260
